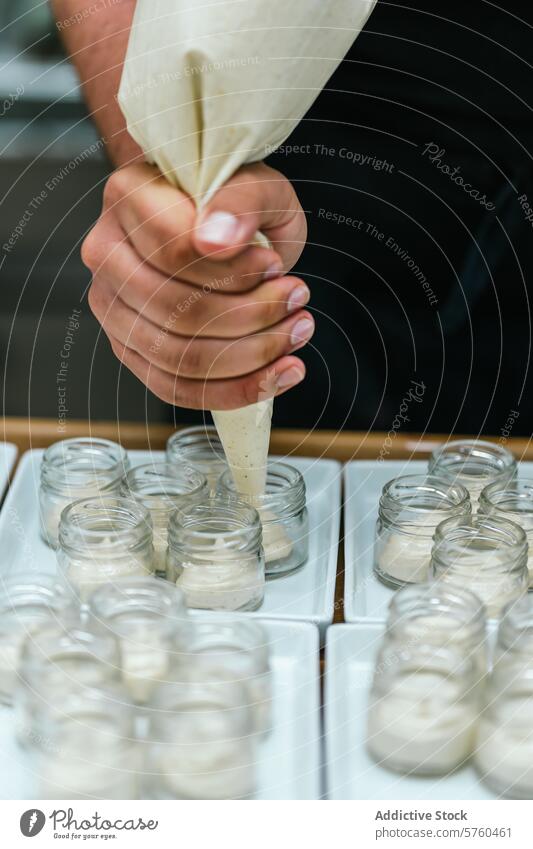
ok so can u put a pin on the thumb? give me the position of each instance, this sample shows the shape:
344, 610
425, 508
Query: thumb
256, 199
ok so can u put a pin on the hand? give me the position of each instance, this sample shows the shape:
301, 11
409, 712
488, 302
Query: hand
201, 315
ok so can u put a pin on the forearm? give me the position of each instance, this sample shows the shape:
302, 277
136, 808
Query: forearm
95, 34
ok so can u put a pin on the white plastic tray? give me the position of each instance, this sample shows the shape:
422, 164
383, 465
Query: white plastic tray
307, 595
350, 771
288, 760
365, 598
8, 455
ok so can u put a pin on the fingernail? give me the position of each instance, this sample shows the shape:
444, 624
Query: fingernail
298, 298
290, 377
275, 270
219, 228
302, 331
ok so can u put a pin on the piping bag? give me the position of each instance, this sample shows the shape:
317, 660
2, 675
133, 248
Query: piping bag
210, 85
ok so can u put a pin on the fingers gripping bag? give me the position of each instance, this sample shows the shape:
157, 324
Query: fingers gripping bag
211, 85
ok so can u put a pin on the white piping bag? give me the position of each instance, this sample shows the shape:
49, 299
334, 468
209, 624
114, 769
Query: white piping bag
209, 86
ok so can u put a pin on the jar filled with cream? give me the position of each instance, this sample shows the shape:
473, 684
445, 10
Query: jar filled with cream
423, 710
504, 752
283, 513
102, 539
484, 554
410, 508
87, 747
474, 464
161, 488
215, 555
74, 469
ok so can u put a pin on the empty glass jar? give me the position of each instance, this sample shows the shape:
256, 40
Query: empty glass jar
423, 709
149, 617
283, 516
504, 753
235, 648
74, 469
439, 615
87, 748
25, 602
199, 447
410, 508
512, 500
102, 539
200, 743
215, 555
161, 488
484, 554
474, 464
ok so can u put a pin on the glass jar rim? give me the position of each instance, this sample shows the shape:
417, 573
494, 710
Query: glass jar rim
72, 462
197, 437
285, 500
182, 481
421, 658
449, 495
136, 595
16, 590
498, 495
187, 525
136, 519
460, 602
457, 531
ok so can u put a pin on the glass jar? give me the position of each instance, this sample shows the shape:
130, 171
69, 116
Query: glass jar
61, 656
86, 747
25, 602
512, 500
149, 617
410, 508
74, 469
439, 615
215, 555
423, 709
484, 554
199, 447
283, 516
200, 743
235, 648
504, 752
474, 464
102, 539
161, 488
